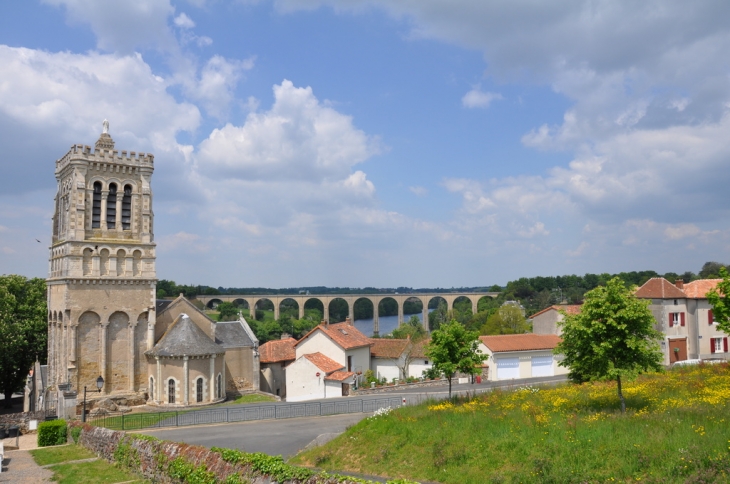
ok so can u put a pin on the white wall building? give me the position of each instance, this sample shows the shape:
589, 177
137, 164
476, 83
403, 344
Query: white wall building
518, 356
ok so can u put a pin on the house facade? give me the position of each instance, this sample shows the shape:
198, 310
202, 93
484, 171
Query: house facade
275, 356
314, 375
684, 316
519, 356
546, 321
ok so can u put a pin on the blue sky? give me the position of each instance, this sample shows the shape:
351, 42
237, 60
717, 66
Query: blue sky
381, 143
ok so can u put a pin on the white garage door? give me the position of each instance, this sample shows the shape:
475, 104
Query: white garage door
508, 368
542, 366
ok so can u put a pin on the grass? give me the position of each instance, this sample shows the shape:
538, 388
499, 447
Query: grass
252, 398
676, 429
64, 472
61, 453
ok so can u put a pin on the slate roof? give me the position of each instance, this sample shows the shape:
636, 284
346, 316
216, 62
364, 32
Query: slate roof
659, 288
161, 304
231, 334
568, 308
324, 363
699, 289
278, 350
184, 337
387, 347
345, 335
520, 342
340, 376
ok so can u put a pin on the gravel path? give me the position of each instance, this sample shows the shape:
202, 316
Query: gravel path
19, 467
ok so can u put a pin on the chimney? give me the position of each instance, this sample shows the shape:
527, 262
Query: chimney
679, 283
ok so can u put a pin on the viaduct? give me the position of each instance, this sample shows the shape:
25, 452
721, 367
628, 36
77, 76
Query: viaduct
325, 299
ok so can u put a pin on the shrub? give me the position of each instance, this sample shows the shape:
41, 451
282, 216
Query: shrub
52, 432
75, 433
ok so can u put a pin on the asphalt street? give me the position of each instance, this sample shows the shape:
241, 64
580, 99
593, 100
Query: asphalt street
286, 437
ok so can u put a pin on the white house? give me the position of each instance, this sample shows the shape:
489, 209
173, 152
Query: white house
342, 342
684, 316
516, 356
390, 358
314, 375
275, 356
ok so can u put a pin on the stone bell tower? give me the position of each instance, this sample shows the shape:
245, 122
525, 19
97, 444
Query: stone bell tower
101, 282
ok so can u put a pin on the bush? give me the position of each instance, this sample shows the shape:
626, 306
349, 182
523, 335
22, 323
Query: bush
75, 433
52, 433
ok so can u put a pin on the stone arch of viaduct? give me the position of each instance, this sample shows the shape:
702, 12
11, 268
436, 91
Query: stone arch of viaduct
375, 299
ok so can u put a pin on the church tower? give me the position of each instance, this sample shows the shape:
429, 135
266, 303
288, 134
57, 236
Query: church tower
102, 279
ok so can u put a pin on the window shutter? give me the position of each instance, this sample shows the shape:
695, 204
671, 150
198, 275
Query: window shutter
681, 315
712, 345
671, 319
709, 316
724, 342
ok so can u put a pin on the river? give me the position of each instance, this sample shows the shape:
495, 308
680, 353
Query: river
387, 323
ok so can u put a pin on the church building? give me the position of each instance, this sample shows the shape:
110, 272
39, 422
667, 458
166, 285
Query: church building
103, 317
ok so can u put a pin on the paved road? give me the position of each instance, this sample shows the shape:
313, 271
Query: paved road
288, 436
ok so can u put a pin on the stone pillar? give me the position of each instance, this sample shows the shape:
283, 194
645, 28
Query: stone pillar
103, 366
351, 311
72, 353
102, 216
211, 385
160, 385
425, 318
326, 306
400, 312
64, 353
474, 306
132, 326
276, 311
301, 310
186, 380
51, 354
376, 323
118, 221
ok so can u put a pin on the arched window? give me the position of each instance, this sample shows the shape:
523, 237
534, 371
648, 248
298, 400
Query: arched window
171, 391
111, 207
104, 262
127, 208
96, 206
87, 261
152, 388
137, 262
199, 390
220, 385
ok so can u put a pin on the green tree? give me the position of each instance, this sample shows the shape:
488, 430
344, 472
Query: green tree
508, 319
438, 316
227, 311
612, 338
719, 297
412, 328
454, 349
23, 330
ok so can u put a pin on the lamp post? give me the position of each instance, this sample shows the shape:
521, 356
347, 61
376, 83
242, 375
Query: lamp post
99, 384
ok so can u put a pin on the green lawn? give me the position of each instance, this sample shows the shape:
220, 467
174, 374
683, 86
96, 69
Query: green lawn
98, 471
676, 429
252, 398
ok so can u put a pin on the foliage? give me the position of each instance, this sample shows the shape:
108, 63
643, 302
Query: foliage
613, 337
412, 328
454, 349
75, 433
432, 373
23, 330
508, 319
438, 316
676, 430
719, 297
227, 311
52, 432
273, 466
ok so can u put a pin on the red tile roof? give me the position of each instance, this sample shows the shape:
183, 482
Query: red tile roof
419, 349
699, 289
324, 363
340, 375
278, 350
568, 308
387, 347
345, 335
520, 342
659, 288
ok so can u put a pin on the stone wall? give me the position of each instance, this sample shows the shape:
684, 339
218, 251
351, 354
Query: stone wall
22, 419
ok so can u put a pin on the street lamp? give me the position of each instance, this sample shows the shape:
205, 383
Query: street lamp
99, 384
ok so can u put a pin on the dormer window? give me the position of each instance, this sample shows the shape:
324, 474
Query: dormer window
96, 206
111, 207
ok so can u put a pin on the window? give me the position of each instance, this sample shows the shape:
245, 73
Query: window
711, 317
171, 391
676, 319
152, 388
718, 345
127, 208
96, 206
199, 390
220, 385
111, 207
349, 363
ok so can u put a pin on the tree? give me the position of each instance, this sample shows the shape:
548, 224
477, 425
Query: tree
508, 319
613, 337
454, 349
23, 330
227, 311
412, 328
719, 297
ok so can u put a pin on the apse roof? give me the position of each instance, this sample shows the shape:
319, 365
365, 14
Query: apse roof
185, 338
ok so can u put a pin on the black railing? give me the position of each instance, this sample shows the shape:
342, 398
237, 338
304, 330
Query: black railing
184, 418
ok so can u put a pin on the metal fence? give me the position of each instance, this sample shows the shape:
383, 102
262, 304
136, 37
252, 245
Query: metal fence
184, 418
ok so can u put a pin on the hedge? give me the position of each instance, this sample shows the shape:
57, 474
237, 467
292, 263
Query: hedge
52, 433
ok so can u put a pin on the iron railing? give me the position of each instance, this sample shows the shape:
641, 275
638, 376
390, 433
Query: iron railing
184, 418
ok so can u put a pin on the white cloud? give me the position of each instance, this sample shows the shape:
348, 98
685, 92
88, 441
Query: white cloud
418, 191
476, 98
215, 86
184, 22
